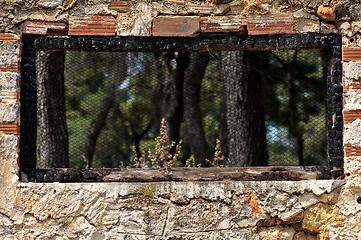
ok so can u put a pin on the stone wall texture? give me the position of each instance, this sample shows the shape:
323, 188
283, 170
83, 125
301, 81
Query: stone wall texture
302, 210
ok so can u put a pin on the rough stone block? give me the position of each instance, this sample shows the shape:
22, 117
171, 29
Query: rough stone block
352, 164
91, 26
351, 54
9, 112
305, 22
68, 4
327, 14
356, 26
346, 30
327, 28
277, 233
304, 25
50, 3
9, 162
318, 216
9, 80
302, 13
120, 6
200, 9
169, 8
44, 28
352, 129
221, 9
352, 99
140, 25
236, 7
10, 128
224, 25
352, 70
10, 53
270, 24
169, 26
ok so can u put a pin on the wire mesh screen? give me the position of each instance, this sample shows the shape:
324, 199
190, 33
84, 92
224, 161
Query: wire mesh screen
174, 108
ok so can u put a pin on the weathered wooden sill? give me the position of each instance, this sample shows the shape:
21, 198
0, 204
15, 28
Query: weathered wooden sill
184, 174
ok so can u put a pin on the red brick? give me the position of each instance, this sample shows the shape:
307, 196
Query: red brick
13, 68
351, 85
92, 26
9, 96
176, 26
350, 116
270, 24
10, 128
351, 151
223, 25
9, 37
351, 54
44, 28
120, 6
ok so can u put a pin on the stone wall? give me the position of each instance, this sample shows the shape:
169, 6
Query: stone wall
323, 209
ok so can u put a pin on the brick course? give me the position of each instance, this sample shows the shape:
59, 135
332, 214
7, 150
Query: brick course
351, 54
224, 25
176, 26
270, 24
44, 28
10, 128
91, 26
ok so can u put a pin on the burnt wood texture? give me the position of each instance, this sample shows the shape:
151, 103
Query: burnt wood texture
168, 44
182, 174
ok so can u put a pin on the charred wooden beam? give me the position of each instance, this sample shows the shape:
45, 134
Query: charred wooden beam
200, 43
183, 174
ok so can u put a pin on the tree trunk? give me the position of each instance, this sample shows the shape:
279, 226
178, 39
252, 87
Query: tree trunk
192, 112
53, 149
293, 109
223, 133
164, 86
175, 110
117, 75
245, 116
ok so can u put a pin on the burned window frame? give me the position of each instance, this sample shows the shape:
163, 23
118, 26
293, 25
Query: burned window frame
331, 44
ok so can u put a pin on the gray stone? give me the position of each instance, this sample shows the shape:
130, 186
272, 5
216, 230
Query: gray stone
50, 3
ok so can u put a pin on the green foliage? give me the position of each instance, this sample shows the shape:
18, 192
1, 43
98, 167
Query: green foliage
86, 82
212, 93
310, 112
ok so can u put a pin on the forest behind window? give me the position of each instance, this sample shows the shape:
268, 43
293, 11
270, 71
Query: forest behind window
240, 108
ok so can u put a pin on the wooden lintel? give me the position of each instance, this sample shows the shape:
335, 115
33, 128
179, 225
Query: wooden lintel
183, 174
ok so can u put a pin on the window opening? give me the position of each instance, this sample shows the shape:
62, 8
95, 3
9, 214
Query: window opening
293, 93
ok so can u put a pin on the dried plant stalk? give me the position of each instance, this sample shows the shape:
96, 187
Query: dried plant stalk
218, 154
190, 162
162, 156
